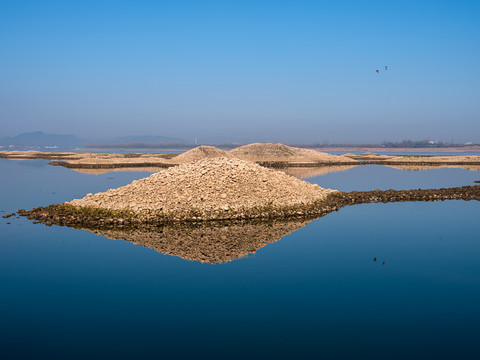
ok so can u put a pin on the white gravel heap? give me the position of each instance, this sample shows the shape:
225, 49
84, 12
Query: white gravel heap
199, 153
211, 184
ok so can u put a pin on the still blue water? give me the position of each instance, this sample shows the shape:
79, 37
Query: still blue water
316, 293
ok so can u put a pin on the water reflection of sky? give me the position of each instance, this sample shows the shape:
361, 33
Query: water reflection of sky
316, 291
371, 177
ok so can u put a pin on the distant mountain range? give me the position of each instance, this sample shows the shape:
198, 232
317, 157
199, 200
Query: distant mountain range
146, 139
40, 139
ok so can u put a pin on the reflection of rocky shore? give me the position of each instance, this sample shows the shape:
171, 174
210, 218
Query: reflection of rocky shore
207, 243
226, 239
308, 172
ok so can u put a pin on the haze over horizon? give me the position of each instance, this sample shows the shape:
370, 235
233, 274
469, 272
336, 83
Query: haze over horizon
287, 71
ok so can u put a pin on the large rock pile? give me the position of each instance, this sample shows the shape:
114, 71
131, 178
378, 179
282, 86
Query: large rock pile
208, 187
275, 152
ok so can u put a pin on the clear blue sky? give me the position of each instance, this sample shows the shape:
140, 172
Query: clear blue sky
242, 70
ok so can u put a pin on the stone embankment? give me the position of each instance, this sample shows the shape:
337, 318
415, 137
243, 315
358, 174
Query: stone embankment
116, 161
68, 215
436, 161
86, 160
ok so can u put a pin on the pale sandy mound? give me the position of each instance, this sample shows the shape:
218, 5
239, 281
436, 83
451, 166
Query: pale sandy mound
199, 153
206, 185
269, 152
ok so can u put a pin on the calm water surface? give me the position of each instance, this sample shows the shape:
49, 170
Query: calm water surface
316, 293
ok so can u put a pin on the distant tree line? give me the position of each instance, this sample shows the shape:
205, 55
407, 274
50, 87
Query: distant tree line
228, 146
385, 144
418, 144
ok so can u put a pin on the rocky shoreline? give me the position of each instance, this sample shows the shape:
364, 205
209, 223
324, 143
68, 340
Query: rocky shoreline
271, 155
97, 218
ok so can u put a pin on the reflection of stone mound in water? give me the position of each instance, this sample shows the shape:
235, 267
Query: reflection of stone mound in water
199, 153
308, 172
205, 243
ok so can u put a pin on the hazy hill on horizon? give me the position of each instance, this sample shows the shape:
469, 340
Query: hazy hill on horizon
145, 139
41, 139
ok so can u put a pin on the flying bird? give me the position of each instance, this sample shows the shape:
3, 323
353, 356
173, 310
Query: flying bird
377, 71
386, 67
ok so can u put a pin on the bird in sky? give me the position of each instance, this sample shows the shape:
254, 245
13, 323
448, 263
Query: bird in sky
377, 71
386, 67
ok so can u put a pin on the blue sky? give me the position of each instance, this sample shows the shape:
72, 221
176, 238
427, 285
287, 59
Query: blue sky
290, 71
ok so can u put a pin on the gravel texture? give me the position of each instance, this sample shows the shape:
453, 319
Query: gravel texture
271, 152
212, 184
199, 153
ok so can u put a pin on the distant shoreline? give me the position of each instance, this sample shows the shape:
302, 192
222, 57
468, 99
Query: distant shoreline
273, 155
453, 149
474, 148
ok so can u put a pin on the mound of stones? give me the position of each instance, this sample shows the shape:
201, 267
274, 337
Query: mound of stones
209, 188
276, 152
199, 153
